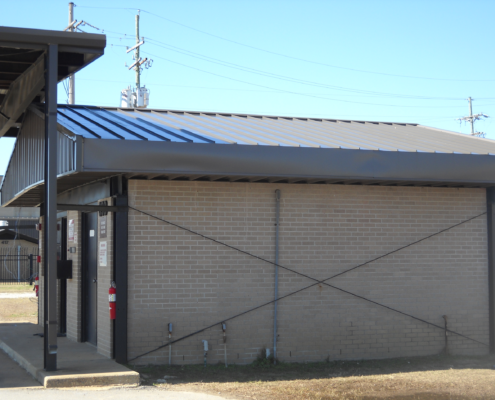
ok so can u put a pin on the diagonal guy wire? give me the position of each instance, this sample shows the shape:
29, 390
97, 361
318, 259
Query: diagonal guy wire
317, 282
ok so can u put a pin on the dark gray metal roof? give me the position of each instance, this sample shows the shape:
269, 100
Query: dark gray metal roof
197, 127
96, 143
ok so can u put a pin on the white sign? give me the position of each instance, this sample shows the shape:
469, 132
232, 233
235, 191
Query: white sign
71, 230
103, 254
91, 233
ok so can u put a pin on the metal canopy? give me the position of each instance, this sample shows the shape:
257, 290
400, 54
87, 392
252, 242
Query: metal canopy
22, 67
32, 62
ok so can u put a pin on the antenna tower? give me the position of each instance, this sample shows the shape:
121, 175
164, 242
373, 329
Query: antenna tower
471, 118
137, 97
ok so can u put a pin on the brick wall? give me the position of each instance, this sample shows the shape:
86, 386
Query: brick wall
178, 277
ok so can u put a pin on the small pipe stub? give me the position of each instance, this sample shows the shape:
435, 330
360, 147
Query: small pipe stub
170, 328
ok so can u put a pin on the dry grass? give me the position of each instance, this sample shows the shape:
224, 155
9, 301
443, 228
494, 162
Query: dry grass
16, 310
15, 288
438, 377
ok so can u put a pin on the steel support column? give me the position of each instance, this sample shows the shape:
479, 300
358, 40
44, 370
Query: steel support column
490, 208
50, 219
121, 277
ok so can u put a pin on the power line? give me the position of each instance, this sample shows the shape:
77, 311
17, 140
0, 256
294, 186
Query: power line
293, 57
289, 91
288, 78
314, 62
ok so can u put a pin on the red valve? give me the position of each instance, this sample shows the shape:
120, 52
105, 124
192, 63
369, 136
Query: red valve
36, 285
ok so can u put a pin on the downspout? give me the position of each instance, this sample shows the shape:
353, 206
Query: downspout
490, 213
277, 223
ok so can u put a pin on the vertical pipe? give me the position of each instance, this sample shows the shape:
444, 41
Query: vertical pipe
72, 81
471, 114
50, 203
138, 83
277, 223
169, 346
224, 329
490, 214
18, 263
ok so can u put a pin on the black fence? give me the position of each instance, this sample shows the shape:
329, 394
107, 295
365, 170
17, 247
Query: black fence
18, 265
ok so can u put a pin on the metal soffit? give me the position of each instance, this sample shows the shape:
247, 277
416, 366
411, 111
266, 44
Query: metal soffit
197, 127
22, 67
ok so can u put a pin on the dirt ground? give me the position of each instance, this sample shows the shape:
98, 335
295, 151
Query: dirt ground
17, 310
425, 378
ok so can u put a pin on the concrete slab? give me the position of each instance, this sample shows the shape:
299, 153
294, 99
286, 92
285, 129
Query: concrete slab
78, 363
12, 376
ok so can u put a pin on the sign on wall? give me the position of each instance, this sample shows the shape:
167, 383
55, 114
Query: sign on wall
103, 253
71, 230
103, 226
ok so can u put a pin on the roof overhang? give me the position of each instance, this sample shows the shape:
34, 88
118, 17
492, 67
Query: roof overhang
102, 159
22, 67
201, 160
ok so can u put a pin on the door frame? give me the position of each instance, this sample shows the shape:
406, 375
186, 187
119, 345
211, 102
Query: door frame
84, 275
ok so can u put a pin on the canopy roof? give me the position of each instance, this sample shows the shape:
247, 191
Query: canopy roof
22, 67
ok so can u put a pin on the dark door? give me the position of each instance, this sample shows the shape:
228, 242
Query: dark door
90, 278
62, 255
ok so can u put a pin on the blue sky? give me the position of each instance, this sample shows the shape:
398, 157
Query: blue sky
403, 61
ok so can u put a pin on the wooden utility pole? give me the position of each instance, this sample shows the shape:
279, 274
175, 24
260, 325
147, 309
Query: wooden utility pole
72, 81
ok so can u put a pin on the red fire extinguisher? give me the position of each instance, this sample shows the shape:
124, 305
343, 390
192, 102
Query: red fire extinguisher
36, 285
112, 298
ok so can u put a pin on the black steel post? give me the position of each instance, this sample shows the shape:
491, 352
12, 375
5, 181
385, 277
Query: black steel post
50, 219
121, 279
490, 208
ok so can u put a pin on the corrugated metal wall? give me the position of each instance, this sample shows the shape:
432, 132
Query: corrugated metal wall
26, 166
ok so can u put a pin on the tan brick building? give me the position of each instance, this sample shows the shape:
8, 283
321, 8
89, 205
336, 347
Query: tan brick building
383, 230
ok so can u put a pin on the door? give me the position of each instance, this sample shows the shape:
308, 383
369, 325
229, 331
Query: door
62, 255
90, 277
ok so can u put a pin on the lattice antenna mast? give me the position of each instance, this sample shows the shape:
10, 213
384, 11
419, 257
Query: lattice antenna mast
472, 118
138, 97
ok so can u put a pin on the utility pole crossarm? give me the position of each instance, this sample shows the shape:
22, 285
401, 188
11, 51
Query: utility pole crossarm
472, 118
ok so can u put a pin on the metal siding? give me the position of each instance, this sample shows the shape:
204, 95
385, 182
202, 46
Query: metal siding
26, 164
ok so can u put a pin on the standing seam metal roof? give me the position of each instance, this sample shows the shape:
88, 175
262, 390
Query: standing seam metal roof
196, 127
